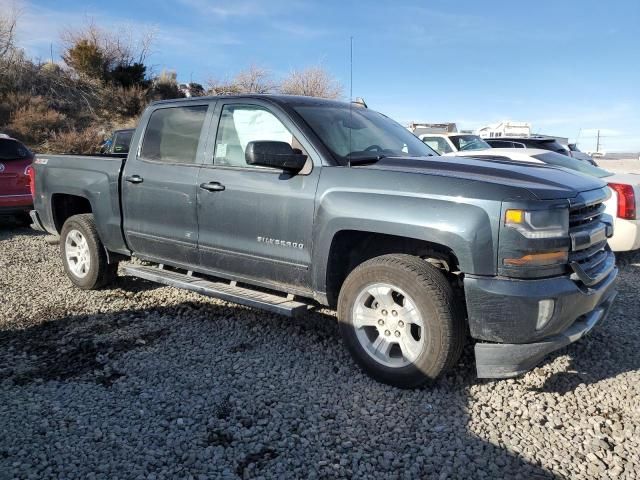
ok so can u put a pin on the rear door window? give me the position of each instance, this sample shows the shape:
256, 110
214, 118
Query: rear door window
122, 141
173, 134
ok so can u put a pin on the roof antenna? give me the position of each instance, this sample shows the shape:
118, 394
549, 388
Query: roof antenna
350, 95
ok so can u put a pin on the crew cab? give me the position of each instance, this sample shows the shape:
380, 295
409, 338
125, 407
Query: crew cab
292, 203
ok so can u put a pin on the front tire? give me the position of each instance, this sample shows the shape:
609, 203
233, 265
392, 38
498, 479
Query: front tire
400, 320
83, 254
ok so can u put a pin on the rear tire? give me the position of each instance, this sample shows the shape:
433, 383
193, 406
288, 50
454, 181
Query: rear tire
400, 320
83, 254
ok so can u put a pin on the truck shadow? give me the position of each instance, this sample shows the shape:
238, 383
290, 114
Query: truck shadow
297, 387
11, 226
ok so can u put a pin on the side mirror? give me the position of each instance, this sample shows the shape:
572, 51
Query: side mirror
267, 153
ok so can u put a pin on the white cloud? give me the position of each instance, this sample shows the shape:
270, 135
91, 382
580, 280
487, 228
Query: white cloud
242, 8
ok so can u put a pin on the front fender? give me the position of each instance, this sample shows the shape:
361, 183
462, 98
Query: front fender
468, 227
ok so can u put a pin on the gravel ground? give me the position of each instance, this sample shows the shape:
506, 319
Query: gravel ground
142, 381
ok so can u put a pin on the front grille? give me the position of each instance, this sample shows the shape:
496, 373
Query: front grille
585, 215
588, 255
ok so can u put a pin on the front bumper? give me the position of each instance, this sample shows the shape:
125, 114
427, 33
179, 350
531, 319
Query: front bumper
506, 313
504, 360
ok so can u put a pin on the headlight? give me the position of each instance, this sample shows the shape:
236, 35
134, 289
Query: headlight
552, 223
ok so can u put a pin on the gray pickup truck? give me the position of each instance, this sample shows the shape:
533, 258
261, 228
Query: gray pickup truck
290, 203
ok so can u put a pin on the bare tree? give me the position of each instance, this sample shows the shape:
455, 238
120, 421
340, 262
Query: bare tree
313, 81
121, 49
8, 23
254, 79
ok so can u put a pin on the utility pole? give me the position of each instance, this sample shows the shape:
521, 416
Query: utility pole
598, 142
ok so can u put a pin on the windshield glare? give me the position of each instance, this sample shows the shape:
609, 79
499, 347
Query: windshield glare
560, 160
361, 133
469, 142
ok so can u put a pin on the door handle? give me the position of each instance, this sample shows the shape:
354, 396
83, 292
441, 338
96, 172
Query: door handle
212, 187
134, 179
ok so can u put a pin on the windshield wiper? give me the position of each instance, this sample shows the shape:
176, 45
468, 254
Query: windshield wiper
364, 160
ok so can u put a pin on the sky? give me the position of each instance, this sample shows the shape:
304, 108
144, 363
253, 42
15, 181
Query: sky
570, 67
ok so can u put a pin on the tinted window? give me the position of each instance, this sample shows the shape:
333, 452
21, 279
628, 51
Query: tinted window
13, 150
468, 142
500, 144
172, 134
122, 141
241, 124
547, 145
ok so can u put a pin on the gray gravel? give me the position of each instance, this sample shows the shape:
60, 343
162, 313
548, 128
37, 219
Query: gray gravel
141, 381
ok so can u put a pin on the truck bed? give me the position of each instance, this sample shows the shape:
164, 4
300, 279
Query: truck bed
92, 177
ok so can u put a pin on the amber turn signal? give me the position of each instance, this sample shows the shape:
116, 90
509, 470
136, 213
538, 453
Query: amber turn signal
539, 259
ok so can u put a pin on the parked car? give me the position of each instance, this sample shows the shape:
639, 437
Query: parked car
15, 193
623, 205
118, 142
450, 143
290, 203
575, 152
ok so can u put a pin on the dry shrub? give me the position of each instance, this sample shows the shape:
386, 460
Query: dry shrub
10, 104
165, 86
34, 122
85, 141
127, 102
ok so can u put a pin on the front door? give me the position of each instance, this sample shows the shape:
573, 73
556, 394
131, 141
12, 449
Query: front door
256, 222
159, 186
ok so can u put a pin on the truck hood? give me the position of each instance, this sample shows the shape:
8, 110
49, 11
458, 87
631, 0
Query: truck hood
543, 181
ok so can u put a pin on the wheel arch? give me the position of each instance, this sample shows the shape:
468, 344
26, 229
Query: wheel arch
350, 248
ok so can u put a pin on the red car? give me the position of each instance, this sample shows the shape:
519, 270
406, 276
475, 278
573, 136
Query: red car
15, 186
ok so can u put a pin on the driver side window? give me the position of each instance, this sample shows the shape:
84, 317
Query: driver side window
241, 124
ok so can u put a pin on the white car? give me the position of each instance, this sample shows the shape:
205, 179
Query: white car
623, 205
452, 143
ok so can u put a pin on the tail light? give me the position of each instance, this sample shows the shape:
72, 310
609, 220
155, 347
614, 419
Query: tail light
626, 200
31, 174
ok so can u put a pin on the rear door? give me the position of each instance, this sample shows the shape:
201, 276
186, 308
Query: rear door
159, 190
258, 222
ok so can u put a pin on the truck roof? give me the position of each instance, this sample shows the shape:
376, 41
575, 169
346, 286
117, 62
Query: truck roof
279, 99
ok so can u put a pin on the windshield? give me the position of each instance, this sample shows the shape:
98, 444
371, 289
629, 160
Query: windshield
560, 160
469, 142
357, 133
13, 150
